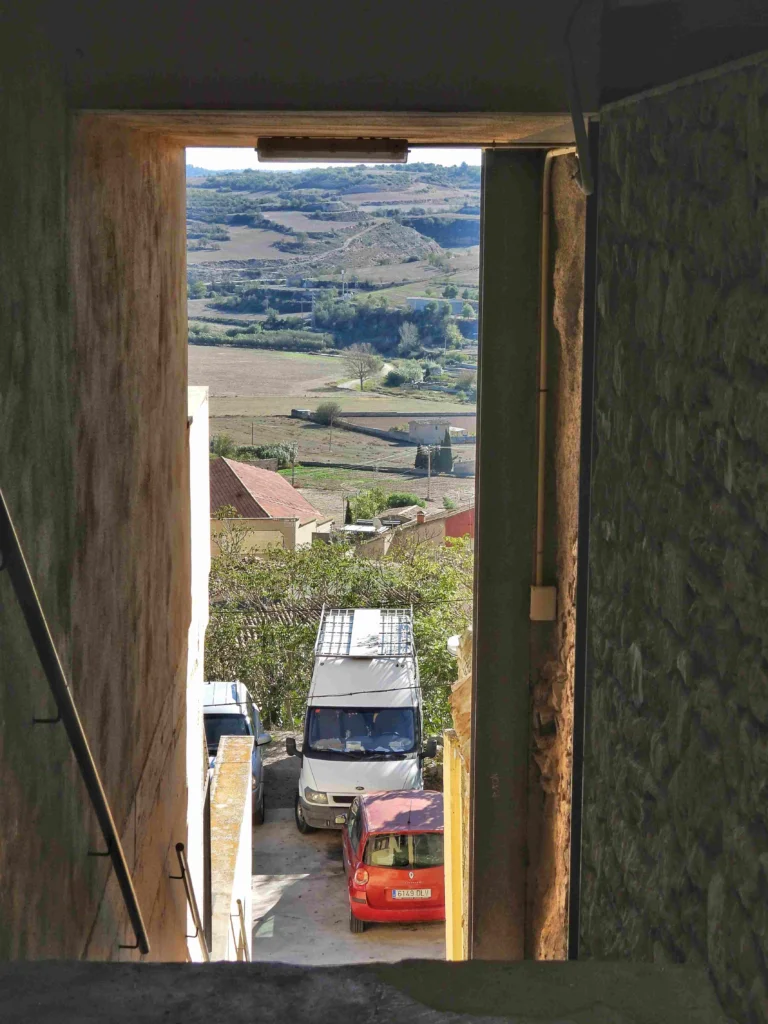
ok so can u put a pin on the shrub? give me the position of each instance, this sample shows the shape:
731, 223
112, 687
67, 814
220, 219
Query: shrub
401, 498
328, 413
449, 504
226, 512
284, 453
394, 379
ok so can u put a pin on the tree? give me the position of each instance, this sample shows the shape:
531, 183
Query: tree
223, 445
445, 456
450, 291
197, 290
362, 362
409, 339
407, 372
348, 515
421, 458
467, 310
286, 453
328, 413
275, 659
467, 380
226, 512
367, 504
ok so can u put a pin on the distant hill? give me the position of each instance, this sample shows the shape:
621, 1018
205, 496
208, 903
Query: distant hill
264, 247
202, 172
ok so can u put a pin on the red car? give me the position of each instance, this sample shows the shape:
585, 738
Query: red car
393, 858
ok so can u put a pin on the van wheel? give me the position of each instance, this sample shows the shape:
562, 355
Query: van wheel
301, 821
258, 814
356, 926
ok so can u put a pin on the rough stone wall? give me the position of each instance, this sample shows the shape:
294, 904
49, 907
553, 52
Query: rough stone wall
676, 829
552, 668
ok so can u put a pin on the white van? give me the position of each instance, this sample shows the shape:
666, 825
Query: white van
229, 711
363, 725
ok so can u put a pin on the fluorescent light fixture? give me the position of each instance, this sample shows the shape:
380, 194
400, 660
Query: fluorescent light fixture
337, 151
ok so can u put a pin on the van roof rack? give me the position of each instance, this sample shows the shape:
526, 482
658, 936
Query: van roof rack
365, 633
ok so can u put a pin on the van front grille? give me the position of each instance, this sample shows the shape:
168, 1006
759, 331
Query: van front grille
345, 800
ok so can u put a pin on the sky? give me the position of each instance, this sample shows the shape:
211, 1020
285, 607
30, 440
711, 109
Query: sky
219, 159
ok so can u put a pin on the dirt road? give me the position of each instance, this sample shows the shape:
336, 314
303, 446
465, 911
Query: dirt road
300, 909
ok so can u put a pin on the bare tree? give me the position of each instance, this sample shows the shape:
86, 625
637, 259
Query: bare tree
362, 362
409, 339
328, 412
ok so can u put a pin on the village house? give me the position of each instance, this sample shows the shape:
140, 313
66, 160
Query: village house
413, 525
433, 431
270, 512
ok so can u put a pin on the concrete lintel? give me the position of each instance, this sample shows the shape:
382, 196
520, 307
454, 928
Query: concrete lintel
243, 127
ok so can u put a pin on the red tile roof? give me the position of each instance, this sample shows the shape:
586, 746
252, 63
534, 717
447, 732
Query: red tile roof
257, 493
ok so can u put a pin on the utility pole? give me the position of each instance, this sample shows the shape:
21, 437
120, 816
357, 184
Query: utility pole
251, 433
429, 470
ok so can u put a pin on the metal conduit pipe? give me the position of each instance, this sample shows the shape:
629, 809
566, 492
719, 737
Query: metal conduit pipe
542, 604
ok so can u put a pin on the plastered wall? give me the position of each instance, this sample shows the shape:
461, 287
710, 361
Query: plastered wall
94, 465
131, 578
675, 827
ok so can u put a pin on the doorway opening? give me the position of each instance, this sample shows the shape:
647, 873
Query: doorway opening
333, 316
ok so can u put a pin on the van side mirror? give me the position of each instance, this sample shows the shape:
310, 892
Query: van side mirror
430, 747
290, 747
263, 739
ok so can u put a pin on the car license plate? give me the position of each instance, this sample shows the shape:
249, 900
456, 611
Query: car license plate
411, 894
340, 819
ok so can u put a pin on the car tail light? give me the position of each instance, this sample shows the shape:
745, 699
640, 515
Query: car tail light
361, 877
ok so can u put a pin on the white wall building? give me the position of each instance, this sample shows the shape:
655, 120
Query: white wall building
432, 431
200, 567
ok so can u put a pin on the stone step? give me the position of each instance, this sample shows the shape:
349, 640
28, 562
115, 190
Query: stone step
411, 992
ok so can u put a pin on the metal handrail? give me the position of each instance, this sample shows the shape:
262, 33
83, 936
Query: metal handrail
190, 891
241, 943
13, 561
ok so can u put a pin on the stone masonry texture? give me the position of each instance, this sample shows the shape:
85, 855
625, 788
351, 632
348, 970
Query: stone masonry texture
675, 854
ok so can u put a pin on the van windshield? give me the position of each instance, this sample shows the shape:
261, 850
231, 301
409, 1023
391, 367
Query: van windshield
361, 731
217, 726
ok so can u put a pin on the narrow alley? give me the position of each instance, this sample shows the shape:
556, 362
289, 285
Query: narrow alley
300, 908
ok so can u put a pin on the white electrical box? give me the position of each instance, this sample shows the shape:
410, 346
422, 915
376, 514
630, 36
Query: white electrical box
543, 604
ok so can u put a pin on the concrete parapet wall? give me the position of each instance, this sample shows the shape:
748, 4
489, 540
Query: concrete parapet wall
231, 848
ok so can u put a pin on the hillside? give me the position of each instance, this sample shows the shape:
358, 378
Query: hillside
265, 247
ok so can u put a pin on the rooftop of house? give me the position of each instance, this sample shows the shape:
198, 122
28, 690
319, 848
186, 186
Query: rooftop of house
404, 513
257, 493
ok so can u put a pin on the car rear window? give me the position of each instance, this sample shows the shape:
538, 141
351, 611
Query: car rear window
411, 850
217, 726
